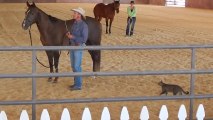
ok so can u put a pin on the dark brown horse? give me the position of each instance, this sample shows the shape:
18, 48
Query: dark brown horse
106, 11
52, 33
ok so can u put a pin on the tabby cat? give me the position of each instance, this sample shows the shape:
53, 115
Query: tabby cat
175, 89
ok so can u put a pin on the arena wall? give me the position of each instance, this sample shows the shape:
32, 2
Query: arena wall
79, 1
207, 4
157, 2
76, 1
23, 1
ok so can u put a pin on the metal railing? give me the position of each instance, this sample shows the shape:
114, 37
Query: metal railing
35, 75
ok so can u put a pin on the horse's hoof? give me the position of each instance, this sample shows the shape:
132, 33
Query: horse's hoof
93, 77
55, 81
49, 80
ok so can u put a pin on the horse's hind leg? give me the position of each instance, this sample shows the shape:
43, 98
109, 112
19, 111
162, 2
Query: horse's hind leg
106, 26
50, 59
56, 60
96, 58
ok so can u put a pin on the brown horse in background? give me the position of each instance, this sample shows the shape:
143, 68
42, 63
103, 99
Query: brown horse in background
53, 33
106, 11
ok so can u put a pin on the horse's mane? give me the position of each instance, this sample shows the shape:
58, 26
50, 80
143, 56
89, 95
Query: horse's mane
110, 4
117, 2
53, 19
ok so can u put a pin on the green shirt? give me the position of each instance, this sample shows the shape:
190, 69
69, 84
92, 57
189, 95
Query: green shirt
131, 13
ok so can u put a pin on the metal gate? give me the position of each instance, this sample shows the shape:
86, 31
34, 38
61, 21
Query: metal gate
35, 75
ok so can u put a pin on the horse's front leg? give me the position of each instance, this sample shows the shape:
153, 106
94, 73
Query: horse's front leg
56, 60
110, 24
106, 25
50, 59
99, 19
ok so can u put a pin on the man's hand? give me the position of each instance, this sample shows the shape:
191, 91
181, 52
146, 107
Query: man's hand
69, 35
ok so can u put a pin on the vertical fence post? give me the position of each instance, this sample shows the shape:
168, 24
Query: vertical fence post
193, 61
33, 85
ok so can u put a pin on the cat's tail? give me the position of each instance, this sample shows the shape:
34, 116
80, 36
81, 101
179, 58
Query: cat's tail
186, 92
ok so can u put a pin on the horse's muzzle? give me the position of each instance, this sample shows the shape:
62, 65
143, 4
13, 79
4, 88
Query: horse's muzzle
24, 25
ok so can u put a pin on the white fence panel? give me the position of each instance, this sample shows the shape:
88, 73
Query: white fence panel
65, 114
86, 114
124, 114
163, 113
45, 115
182, 114
144, 113
200, 112
105, 114
3, 116
24, 115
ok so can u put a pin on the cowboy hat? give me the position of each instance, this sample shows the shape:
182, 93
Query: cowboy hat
79, 10
132, 2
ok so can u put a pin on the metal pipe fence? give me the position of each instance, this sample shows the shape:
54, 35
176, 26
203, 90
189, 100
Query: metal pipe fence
35, 75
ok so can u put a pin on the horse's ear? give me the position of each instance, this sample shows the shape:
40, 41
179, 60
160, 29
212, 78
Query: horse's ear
33, 4
28, 4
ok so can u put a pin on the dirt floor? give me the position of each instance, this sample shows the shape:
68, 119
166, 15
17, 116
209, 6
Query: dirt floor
155, 25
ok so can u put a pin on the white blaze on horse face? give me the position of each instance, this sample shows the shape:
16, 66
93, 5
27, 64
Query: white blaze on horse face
27, 12
23, 25
24, 22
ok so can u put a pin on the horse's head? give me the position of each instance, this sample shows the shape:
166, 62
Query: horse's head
31, 15
116, 5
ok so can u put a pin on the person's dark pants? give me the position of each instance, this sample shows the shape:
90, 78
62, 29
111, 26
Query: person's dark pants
130, 25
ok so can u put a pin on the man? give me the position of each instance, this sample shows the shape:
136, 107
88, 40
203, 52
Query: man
78, 36
131, 11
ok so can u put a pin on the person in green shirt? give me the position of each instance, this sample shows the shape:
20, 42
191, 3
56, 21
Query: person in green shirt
131, 11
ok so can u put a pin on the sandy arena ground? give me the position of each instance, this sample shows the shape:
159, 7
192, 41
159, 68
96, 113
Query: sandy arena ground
155, 25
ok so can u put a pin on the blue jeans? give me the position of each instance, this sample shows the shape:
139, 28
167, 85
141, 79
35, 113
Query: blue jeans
130, 25
76, 60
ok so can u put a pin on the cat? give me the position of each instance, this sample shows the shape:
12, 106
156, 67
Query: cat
175, 89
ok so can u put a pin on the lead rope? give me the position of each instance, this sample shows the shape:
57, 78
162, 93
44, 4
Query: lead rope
67, 31
31, 42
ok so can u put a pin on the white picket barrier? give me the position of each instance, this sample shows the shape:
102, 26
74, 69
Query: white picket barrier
65, 115
45, 115
182, 114
86, 114
3, 115
24, 115
124, 114
105, 114
200, 112
163, 113
144, 115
